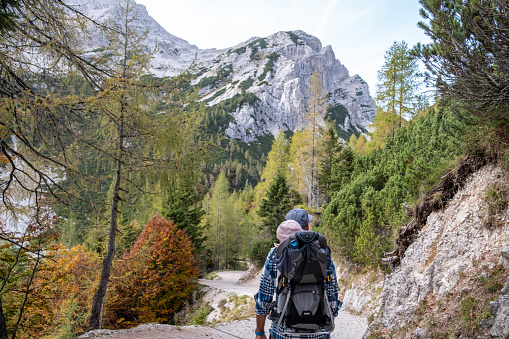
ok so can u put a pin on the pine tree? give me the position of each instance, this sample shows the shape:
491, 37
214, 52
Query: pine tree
468, 60
184, 208
328, 150
278, 200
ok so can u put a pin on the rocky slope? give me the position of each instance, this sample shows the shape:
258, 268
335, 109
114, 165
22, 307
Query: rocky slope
452, 280
261, 82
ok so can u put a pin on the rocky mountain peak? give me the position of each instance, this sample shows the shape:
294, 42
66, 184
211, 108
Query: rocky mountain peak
264, 81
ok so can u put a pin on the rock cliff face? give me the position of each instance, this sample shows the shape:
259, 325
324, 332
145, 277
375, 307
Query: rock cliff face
172, 55
263, 82
276, 72
456, 262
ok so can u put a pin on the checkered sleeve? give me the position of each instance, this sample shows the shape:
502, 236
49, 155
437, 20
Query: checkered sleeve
267, 288
332, 290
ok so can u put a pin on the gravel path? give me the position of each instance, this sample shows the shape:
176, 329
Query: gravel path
348, 326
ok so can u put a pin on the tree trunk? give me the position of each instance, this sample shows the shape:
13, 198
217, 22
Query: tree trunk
99, 297
3, 325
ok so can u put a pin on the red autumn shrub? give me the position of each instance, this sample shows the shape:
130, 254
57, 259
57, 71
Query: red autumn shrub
155, 280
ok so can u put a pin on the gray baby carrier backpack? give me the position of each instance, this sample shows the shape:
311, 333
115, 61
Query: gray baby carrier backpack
303, 306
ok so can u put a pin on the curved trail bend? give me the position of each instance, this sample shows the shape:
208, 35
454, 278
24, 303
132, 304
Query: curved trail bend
348, 326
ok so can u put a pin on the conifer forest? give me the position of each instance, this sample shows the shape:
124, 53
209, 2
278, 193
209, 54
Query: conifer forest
119, 189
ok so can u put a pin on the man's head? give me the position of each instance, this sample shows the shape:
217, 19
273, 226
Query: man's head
300, 216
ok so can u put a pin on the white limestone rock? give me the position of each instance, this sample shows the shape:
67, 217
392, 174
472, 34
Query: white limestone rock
280, 85
450, 243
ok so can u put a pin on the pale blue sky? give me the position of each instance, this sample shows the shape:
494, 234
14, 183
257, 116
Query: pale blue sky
359, 31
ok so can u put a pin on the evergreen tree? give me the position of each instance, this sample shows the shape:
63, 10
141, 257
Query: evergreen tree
329, 149
342, 168
184, 208
278, 201
468, 60
368, 190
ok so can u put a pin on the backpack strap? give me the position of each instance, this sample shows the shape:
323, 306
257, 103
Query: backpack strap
283, 245
322, 241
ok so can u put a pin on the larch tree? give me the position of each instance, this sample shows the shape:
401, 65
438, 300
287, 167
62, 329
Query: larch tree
218, 213
150, 148
385, 123
38, 46
58, 107
397, 87
126, 124
317, 105
299, 177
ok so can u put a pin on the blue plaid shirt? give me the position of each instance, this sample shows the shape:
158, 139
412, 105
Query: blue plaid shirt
268, 284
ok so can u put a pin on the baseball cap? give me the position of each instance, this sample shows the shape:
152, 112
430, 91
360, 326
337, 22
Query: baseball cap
300, 216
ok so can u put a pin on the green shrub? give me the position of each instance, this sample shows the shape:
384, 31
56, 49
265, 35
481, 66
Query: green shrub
244, 85
200, 317
295, 38
269, 66
366, 207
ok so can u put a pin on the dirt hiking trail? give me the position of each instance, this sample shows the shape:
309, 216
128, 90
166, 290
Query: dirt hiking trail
227, 283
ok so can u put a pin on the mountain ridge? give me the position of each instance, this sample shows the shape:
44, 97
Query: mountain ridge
273, 71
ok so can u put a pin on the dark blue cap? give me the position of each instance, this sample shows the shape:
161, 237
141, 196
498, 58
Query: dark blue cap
300, 216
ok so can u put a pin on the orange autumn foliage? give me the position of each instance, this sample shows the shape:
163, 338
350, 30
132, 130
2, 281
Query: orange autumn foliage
62, 292
156, 280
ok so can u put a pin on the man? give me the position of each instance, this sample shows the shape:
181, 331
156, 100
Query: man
268, 281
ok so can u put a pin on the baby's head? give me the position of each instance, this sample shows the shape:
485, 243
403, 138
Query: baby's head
286, 229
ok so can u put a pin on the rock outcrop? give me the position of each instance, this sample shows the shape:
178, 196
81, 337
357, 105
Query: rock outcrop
455, 260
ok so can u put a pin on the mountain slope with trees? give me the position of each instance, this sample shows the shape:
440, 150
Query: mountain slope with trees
98, 146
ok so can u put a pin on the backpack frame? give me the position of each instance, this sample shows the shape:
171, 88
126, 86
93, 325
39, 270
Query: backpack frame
303, 306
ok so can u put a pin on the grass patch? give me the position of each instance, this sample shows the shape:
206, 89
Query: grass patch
496, 203
236, 308
211, 276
